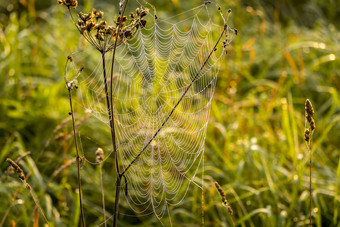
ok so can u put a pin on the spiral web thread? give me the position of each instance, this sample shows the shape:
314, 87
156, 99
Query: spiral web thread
151, 73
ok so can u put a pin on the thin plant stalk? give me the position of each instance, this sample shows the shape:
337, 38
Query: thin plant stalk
103, 196
70, 86
118, 180
78, 161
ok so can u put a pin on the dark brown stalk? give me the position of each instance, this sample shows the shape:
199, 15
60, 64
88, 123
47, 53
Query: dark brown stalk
178, 102
69, 87
113, 140
118, 180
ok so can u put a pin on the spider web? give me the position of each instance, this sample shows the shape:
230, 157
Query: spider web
151, 73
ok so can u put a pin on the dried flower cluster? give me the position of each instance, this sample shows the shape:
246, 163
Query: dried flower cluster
99, 34
309, 117
69, 3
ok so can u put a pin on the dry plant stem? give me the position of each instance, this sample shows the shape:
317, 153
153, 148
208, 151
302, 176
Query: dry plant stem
102, 189
109, 109
118, 180
78, 158
121, 14
178, 102
35, 200
310, 183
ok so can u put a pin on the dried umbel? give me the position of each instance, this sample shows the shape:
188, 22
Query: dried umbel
69, 3
17, 168
103, 36
99, 155
224, 200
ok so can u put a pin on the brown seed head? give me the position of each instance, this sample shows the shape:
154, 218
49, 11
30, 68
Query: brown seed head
138, 11
99, 155
224, 200
17, 168
309, 108
309, 114
221, 192
69, 3
144, 12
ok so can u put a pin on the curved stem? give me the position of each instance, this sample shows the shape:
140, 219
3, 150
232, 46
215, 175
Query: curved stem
78, 159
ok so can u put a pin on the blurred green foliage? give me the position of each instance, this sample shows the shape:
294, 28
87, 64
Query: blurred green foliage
286, 51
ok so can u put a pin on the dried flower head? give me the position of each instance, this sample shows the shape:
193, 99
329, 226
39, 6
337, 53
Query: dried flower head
102, 36
69, 3
99, 155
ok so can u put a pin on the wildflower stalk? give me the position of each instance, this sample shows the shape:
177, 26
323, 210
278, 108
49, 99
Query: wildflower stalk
70, 86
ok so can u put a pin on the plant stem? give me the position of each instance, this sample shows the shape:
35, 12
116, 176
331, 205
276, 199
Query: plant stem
102, 189
310, 185
121, 14
78, 158
115, 217
178, 102
112, 126
109, 109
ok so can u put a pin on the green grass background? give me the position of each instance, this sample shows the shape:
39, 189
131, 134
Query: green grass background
285, 52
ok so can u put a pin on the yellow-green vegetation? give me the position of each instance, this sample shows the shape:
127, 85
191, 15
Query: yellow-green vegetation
255, 146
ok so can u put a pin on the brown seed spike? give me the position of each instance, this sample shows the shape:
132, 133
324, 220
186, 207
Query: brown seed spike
17, 168
309, 108
221, 192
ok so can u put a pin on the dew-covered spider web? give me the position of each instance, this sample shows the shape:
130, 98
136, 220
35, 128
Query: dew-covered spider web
152, 70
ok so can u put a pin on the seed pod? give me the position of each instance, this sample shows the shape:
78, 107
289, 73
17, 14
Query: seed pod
99, 155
